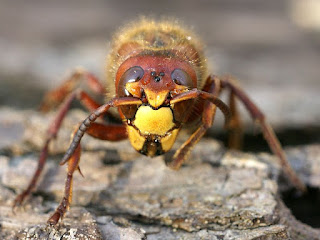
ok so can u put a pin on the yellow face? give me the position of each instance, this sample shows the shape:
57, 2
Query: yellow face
152, 131
150, 121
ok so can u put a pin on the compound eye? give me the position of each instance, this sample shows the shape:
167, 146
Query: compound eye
133, 74
180, 77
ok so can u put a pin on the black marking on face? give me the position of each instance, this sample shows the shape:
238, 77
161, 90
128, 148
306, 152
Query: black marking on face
152, 147
157, 78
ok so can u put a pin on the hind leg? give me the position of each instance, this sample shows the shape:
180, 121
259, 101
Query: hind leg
268, 133
55, 97
235, 127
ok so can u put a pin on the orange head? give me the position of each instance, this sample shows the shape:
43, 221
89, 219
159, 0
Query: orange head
154, 78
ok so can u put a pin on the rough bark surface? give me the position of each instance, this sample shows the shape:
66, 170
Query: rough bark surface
217, 194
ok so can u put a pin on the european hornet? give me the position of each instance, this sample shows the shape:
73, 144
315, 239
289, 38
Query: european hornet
159, 77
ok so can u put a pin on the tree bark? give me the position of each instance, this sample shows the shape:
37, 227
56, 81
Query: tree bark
217, 194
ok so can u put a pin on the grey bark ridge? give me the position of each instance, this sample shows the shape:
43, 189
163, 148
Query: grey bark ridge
217, 194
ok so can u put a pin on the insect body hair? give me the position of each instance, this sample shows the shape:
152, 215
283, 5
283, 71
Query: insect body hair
149, 37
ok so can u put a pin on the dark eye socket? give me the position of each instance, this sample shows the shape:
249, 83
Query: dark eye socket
180, 77
133, 74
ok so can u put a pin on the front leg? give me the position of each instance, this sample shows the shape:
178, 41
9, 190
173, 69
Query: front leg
208, 114
96, 130
64, 205
72, 156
